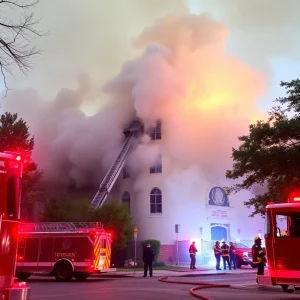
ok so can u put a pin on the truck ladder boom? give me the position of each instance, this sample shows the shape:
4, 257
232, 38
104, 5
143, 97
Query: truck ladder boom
113, 173
59, 226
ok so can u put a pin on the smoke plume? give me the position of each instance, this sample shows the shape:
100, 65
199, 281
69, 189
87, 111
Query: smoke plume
177, 70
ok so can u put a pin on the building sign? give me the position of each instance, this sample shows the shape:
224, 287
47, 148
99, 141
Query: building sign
218, 197
218, 213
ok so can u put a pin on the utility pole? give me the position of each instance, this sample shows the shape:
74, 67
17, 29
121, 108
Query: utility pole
135, 232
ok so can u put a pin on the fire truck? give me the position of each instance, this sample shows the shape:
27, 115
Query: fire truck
11, 166
63, 249
282, 240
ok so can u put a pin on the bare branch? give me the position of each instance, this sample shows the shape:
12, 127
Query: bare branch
16, 38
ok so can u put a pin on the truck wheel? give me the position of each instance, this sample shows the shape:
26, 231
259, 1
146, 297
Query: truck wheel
82, 276
63, 271
23, 275
238, 263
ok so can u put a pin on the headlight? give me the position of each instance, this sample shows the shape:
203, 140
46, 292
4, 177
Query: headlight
245, 253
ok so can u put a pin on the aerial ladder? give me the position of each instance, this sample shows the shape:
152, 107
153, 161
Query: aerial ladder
131, 133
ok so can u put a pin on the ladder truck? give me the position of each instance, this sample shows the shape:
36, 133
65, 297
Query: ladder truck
11, 166
66, 249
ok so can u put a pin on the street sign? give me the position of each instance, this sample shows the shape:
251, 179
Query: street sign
135, 231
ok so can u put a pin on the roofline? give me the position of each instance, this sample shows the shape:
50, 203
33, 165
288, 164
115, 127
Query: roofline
283, 205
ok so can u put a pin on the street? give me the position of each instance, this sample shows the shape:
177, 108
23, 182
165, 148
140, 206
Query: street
106, 288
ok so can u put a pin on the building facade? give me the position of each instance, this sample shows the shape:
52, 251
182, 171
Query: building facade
183, 209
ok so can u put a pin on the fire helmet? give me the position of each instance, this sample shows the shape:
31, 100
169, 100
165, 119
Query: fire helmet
257, 238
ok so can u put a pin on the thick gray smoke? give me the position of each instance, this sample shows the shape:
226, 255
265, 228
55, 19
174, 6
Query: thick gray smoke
179, 72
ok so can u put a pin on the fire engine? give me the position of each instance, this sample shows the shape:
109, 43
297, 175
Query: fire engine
11, 167
282, 240
63, 249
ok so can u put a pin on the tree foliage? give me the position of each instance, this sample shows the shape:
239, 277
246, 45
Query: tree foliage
270, 155
16, 35
114, 215
15, 136
155, 244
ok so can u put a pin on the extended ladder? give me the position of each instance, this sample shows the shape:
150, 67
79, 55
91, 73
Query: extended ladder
59, 226
113, 173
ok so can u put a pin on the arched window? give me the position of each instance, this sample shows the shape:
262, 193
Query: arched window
155, 201
155, 132
157, 167
126, 199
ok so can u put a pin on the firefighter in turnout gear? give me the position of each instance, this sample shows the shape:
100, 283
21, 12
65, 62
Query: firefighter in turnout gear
217, 252
193, 250
259, 258
225, 255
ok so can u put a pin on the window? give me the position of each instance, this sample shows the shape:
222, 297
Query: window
288, 224
125, 173
155, 132
155, 201
126, 199
157, 167
14, 197
267, 225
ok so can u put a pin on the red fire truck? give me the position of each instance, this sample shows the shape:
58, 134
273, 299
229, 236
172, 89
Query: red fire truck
10, 195
282, 239
63, 249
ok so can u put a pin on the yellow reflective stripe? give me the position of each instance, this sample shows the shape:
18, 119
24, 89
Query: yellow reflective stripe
260, 251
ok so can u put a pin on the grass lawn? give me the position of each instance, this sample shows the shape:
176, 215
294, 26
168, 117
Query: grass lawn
155, 268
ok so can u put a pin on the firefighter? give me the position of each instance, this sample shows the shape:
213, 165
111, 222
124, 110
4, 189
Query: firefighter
225, 255
148, 258
193, 250
217, 252
232, 255
258, 256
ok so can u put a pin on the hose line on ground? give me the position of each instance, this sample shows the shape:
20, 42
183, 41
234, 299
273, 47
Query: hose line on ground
199, 286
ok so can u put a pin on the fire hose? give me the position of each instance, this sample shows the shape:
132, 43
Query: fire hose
199, 286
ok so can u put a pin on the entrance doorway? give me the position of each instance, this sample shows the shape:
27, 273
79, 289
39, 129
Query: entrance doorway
219, 232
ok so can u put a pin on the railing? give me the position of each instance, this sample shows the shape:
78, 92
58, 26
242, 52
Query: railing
59, 226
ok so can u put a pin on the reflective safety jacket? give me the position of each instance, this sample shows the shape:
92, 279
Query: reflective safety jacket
193, 250
225, 250
258, 254
217, 250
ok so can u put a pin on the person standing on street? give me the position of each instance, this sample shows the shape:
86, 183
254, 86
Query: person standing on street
225, 255
148, 258
193, 250
259, 258
217, 252
232, 255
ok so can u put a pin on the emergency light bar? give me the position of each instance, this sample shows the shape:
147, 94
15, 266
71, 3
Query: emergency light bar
295, 197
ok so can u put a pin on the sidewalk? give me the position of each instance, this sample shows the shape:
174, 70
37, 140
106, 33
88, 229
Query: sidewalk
202, 271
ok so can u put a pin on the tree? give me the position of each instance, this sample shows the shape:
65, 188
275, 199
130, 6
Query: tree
15, 136
114, 215
270, 155
16, 36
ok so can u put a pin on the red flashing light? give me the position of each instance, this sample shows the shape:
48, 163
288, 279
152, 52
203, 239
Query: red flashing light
18, 158
294, 197
271, 202
20, 257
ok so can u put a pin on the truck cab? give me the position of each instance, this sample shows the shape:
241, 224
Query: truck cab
243, 255
282, 239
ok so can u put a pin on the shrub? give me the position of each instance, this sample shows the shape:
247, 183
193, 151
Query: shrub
158, 264
155, 244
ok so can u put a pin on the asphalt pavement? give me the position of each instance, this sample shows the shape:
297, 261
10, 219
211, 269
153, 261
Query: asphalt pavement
136, 287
